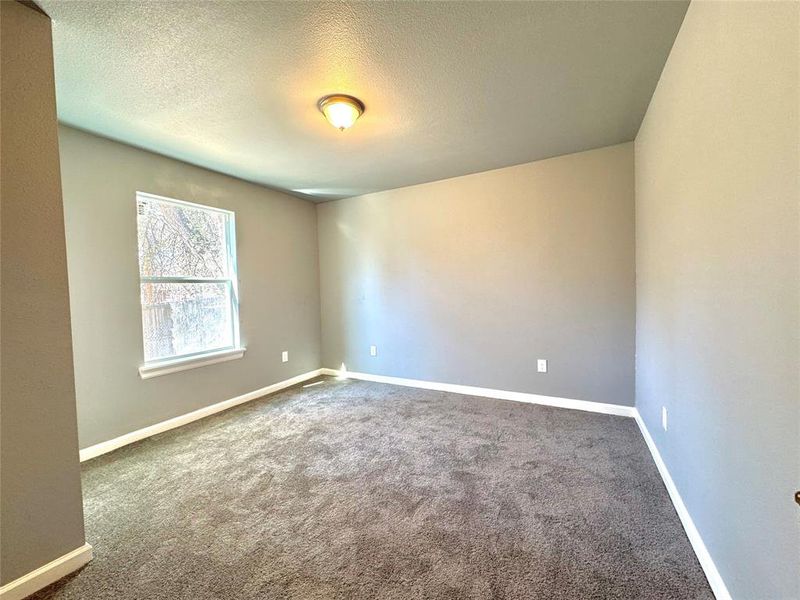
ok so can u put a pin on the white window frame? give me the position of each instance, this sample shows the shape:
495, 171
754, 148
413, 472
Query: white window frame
193, 360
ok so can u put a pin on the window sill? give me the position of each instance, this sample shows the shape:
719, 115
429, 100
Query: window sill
166, 367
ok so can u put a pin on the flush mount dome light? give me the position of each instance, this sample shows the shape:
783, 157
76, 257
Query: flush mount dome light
341, 110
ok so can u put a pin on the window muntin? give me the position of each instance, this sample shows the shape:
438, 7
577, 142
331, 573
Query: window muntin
187, 271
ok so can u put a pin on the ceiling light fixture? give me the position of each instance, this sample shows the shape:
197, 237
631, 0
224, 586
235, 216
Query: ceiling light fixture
341, 110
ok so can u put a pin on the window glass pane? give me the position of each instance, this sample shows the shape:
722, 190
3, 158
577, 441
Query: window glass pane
185, 318
181, 241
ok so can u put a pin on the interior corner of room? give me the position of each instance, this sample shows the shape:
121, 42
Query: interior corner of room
355, 309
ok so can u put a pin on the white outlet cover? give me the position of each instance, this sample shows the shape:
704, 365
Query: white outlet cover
373, 351
541, 365
664, 417
285, 356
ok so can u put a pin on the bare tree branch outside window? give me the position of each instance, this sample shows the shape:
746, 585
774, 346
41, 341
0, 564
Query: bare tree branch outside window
187, 273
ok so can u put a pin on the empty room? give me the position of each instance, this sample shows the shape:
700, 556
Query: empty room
399, 300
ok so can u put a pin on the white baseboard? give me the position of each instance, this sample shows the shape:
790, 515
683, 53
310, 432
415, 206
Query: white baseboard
45, 575
140, 434
706, 562
468, 390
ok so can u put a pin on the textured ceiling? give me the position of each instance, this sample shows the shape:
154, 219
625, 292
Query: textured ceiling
450, 88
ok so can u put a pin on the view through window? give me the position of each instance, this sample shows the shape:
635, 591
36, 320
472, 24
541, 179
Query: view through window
187, 269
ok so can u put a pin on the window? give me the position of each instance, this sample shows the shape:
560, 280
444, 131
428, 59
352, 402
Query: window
187, 270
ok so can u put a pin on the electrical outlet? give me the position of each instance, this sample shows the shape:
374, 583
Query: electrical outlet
285, 356
541, 365
664, 417
373, 351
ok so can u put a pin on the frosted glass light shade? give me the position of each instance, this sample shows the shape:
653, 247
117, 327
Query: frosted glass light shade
341, 110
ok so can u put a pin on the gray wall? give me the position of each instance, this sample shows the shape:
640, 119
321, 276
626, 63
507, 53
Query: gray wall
278, 271
41, 515
717, 285
470, 280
